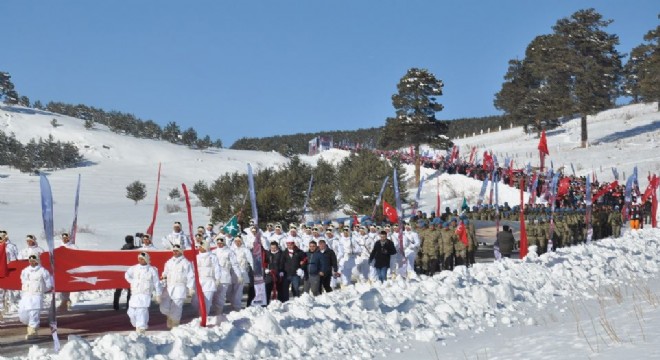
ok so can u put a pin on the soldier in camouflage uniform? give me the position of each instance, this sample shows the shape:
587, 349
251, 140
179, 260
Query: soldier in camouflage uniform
447, 240
460, 249
616, 221
429, 249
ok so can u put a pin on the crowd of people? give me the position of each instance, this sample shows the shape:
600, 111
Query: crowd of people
317, 258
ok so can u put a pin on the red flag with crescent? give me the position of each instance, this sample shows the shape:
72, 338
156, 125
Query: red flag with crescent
390, 213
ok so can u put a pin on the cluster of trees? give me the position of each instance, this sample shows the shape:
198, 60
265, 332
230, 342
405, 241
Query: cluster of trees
576, 70
281, 193
125, 123
289, 145
8, 93
37, 154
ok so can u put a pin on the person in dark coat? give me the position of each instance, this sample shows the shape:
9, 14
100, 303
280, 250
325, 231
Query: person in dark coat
129, 245
332, 268
380, 255
294, 262
316, 264
505, 241
274, 272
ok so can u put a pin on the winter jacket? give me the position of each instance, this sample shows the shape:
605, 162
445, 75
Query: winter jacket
293, 262
506, 242
381, 253
316, 262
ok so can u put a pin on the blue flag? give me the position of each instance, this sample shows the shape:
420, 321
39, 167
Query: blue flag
47, 215
253, 196
482, 193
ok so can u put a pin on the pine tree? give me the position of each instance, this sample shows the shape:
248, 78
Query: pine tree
7, 92
189, 137
171, 132
136, 191
324, 196
415, 122
89, 124
593, 62
643, 68
175, 194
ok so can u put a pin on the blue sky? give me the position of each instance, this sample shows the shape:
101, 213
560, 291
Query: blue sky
259, 68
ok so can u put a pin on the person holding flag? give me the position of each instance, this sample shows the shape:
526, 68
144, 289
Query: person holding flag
178, 276
35, 282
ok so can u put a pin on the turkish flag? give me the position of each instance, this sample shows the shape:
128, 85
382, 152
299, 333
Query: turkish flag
82, 270
4, 269
564, 184
462, 233
390, 212
543, 144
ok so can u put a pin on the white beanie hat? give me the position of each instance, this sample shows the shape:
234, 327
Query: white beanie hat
145, 256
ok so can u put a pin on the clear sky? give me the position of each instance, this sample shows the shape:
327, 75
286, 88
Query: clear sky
259, 68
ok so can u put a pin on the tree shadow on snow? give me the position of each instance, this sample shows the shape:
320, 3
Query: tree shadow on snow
620, 135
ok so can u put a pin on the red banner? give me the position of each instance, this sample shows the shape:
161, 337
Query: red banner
562, 188
462, 233
604, 191
82, 270
523, 232
4, 270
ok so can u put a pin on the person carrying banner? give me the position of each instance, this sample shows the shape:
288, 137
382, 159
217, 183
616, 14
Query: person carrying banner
143, 281
178, 277
242, 278
31, 249
11, 253
228, 270
209, 273
65, 297
35, 282
129, 244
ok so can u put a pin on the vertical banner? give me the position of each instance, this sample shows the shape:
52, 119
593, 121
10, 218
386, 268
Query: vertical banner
482, 193
534, 185
257, 251
523, 231
380, 197
497, 202
198, 285
587, 216
74, 226
47, 215
437, 200
573, 169
553, 200
150, 229
400, 213
418, 194
309, 191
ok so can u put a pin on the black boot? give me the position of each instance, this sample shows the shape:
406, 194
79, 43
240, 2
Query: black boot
115, 303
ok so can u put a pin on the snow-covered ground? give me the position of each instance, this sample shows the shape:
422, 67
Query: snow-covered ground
595, 301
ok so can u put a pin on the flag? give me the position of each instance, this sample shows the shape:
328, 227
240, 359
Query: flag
462, 233
564, 184
390, 213
419, 193
231, 227
74, 226
615, 172
588, 203
573, 169
380, 196
253, 195
482, 193
399, 210
198, 285
465, 205
523, 232
472, 153
355, 220
150, 229
604, 190
309, 191
488, 161
47, 215
437, 200
543, 149
4, 269
535, 184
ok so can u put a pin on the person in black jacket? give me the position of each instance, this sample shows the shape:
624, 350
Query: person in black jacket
129, 245
294, 261
332, 266
380, 255
274, 272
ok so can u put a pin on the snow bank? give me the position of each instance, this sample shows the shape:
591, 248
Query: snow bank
365, 320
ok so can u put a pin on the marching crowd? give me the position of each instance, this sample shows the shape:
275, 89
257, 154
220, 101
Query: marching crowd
320, 257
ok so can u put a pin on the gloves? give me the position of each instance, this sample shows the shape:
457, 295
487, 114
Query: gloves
300, 272
281, 274
267, 271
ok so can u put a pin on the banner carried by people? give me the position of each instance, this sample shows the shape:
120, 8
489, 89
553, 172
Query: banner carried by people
150, 229
257, 251
543, 149
380, 196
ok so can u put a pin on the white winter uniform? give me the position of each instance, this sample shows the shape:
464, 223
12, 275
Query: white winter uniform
349, 251
245, 264
177, 238
179, 276
300, 243
209, 276
35, 281
144, 281
411, 244
8, 295
228, 266
31, 250
362, 262
280, 239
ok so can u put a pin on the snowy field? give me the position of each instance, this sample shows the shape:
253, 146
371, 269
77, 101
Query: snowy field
594, 301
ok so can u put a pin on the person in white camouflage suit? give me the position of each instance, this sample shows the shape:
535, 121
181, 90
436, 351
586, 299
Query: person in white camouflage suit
143, 279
